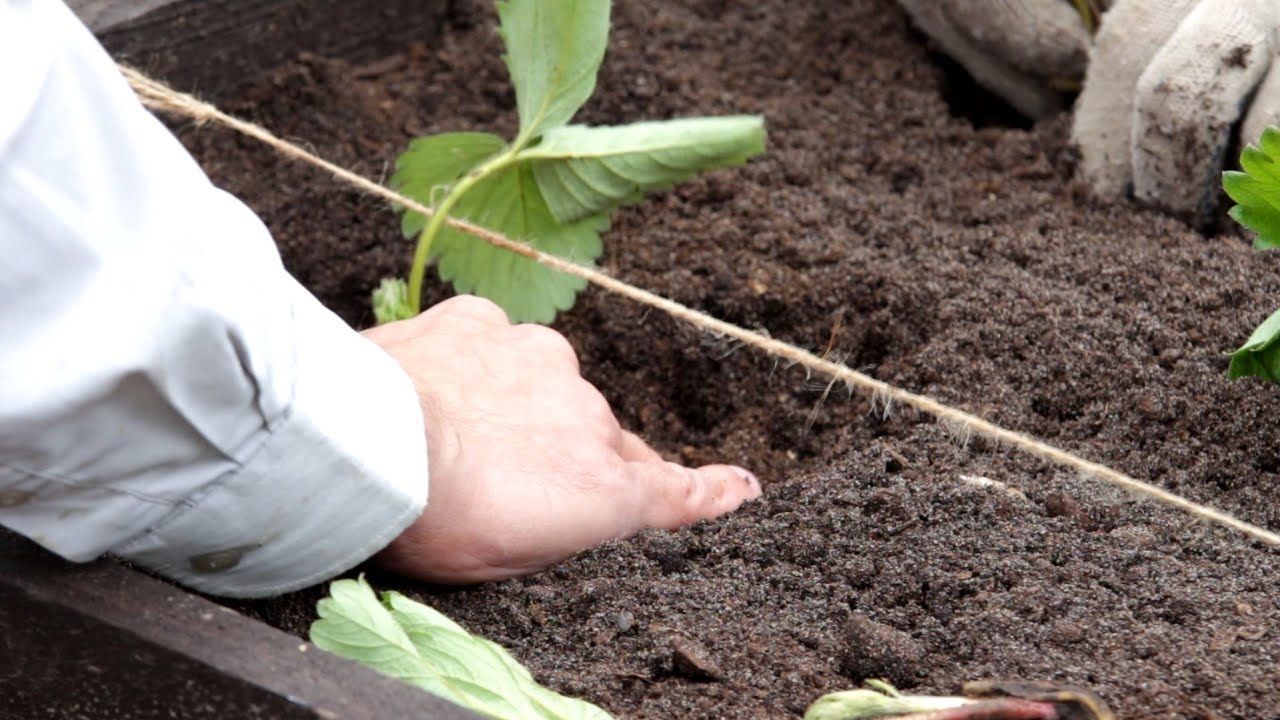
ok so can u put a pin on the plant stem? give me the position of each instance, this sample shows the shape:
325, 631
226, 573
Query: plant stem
418, 272
998, 709
1089, 13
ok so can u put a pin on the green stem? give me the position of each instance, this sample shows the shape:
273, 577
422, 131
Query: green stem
418, 272
1088, 10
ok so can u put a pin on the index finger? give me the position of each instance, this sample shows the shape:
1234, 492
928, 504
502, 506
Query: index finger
675, 495
634, 449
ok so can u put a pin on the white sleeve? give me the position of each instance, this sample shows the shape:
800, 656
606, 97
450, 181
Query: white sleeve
168, 393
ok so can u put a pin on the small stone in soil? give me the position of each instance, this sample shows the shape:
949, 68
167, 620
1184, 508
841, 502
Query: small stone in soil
876, 650
692, 660
1067, 633
1063, 505
1251, 632
625, 621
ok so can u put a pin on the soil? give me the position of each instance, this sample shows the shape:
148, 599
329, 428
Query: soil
886, 229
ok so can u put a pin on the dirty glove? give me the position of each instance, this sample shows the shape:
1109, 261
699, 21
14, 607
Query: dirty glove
1014, 48
1167, 82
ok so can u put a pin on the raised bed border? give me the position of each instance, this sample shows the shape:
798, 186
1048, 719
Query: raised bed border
214, 47
104, 641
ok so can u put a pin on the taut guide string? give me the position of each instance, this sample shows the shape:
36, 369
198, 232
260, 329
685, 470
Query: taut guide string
161, 97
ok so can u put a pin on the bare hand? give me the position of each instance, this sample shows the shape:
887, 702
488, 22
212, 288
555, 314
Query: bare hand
528, 464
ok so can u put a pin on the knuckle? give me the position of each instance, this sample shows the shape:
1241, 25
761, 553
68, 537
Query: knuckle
476, 306
693, 491
598, 406
545, 339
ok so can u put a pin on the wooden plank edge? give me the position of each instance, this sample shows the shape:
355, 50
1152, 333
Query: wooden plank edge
215, 47
103, 641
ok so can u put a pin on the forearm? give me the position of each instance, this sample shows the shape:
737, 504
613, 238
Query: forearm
167, 391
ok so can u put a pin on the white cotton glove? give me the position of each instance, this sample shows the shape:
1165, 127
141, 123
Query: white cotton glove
1014, 48
1167, 82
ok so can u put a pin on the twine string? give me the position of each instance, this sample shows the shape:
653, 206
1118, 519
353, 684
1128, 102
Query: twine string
158, 96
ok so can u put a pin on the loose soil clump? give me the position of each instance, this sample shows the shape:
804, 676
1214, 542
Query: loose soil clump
954, 261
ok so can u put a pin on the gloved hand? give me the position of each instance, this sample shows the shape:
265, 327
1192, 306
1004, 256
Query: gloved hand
1167, 83
1014, 48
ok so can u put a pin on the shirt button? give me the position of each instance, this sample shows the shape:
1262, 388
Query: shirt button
217, 561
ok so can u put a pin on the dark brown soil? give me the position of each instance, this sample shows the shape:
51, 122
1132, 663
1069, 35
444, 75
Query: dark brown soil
958, 262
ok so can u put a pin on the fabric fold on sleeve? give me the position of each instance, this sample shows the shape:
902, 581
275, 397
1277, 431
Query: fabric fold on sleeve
324, 491
167, 391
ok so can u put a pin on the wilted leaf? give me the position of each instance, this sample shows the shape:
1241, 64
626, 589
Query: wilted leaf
417, 644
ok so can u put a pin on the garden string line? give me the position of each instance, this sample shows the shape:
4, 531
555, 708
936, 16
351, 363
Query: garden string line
161, 97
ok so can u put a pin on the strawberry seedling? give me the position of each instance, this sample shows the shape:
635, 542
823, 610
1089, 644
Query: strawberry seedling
1256, 191
555, 184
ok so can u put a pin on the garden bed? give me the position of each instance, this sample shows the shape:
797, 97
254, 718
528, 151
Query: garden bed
954, 261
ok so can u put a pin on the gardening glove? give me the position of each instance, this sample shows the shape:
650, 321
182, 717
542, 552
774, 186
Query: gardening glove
1014, 48
1167, 82
528, 464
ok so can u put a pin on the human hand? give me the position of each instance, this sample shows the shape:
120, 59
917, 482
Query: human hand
528, 465
1166, 84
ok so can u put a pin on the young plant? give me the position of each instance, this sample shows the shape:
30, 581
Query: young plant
413, 642
982, 700
555, 184
1256, 191
878, 700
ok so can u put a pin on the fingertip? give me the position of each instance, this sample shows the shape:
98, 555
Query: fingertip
745, 476
727, 487
678, 495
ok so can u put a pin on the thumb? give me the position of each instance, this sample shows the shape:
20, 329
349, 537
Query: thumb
675, 495
1008, 46
1045, 38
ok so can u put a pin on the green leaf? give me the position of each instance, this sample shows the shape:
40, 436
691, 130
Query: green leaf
391, 301
482, 664
356, 626
509, 202
1260, 355
585, 170
554, 50
881, 702
429, 168
1256, 190
417, 644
